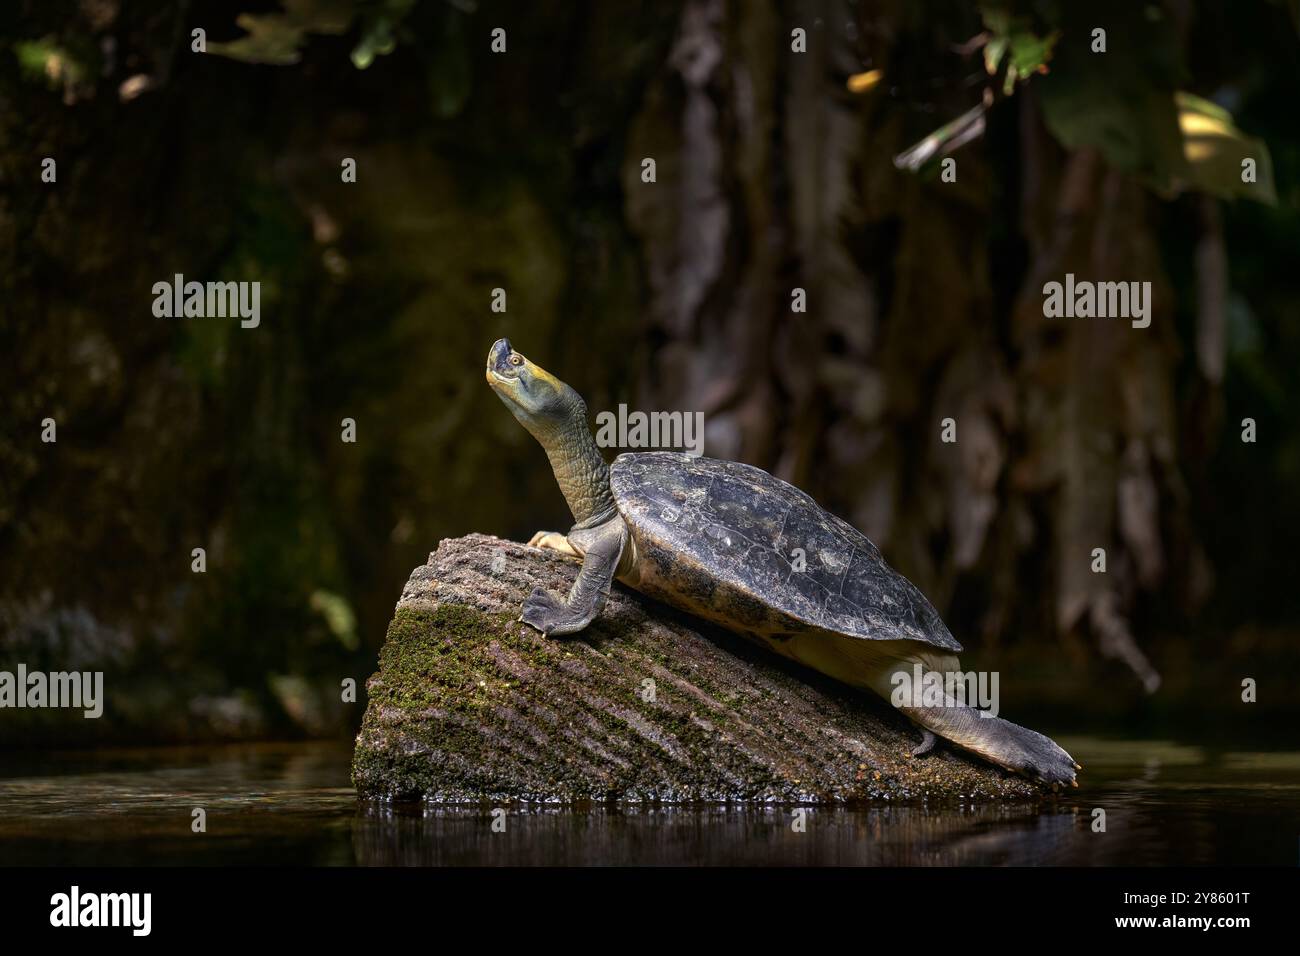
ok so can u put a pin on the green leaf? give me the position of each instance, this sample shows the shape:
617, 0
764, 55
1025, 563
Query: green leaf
1029, 55
338, 615
377, 41
1014, 39
1120, 102
1136, 128
278, 38
994, 50
1216, 150
378, 32
55, 65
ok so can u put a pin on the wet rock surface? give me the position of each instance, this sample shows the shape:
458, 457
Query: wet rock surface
647, 704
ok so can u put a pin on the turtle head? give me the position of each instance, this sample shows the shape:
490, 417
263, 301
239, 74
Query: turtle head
556, 416
542, 403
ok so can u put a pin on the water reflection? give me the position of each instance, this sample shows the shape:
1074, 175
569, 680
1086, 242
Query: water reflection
887, 836
1164, 803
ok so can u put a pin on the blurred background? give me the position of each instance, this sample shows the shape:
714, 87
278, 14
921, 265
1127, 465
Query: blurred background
783, 160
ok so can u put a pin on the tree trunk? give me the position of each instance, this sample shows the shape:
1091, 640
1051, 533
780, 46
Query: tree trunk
647, 704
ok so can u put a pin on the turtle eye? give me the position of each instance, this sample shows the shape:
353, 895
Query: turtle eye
516, 359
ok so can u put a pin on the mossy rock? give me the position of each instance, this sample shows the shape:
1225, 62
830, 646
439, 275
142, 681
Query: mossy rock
645, 705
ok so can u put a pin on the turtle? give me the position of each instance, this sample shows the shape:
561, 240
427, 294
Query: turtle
731, 544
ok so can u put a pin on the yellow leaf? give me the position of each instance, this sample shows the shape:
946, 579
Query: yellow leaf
862, 82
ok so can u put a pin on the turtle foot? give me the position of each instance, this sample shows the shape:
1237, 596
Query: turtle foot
550, 614
1041, 758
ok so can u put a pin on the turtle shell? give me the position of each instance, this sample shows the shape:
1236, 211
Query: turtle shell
733, 544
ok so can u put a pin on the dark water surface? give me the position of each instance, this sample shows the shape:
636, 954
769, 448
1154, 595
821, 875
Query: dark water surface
1165, 803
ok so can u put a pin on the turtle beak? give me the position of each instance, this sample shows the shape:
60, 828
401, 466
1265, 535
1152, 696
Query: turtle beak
498, 360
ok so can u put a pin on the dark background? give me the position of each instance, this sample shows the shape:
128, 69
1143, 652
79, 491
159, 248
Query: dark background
522, 171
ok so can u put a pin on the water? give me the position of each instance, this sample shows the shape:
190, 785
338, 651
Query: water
1166, 803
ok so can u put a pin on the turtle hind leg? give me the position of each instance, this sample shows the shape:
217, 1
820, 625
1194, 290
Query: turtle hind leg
999, 741
602, 547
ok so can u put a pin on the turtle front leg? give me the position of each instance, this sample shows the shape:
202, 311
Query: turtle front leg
553, 541
601, 547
